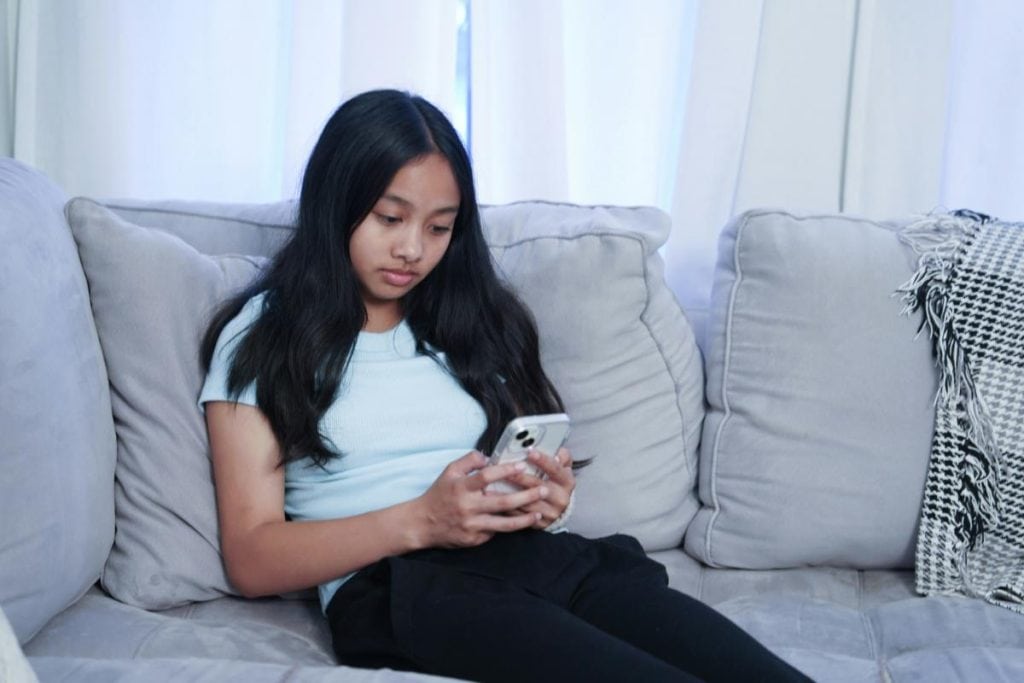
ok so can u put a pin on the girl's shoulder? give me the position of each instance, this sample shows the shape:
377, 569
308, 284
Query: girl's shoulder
251, 309
256, 303
237, 326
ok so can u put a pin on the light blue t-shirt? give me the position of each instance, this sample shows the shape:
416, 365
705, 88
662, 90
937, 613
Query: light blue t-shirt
399, 419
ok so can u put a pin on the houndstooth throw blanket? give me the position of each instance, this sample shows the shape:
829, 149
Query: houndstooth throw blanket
970, 287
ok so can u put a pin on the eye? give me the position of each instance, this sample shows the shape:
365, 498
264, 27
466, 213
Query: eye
440, 229
388, 220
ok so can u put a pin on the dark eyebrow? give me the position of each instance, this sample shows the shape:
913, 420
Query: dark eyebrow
407, 204
396, 199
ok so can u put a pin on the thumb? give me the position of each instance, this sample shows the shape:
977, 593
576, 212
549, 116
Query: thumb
473, 460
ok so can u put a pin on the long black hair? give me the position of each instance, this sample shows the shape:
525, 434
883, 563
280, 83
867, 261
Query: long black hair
298, 348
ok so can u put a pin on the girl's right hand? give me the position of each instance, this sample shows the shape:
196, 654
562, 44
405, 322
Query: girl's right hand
455, 511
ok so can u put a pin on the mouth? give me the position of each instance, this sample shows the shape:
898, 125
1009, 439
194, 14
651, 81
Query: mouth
398, 278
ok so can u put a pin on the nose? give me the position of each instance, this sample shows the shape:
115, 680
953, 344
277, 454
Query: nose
409, 244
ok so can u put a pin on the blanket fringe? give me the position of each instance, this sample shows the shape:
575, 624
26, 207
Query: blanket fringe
938, 240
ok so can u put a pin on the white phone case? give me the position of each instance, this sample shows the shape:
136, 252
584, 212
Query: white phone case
544, 433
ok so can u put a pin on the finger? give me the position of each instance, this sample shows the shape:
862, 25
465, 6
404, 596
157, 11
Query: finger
560, 485
551, 467
507, 523
505, 502
493, 473
525, 480
564, 457
548, 511
557, 499
546, 515
473, 460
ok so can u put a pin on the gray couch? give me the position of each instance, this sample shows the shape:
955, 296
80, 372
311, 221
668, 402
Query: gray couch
777, 474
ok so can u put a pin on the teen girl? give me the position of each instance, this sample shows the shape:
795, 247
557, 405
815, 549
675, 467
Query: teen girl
350, 394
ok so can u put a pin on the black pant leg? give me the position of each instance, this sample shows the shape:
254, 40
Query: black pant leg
491, 633
417, 616
359, 617
679, 630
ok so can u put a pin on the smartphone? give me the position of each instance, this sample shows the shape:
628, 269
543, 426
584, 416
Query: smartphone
545, 433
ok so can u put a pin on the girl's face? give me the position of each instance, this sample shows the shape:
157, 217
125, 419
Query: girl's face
404, 237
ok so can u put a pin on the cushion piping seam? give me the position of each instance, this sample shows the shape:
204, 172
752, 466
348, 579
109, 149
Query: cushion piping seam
724, 393
626, 234
668, 369
945, 647
180, 212
548, 202
869, 631
193, 214
849, 218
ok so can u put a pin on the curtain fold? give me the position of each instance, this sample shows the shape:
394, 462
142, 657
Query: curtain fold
984, 152
712, 143
704, 108
578, 100
517, 105
8, 60
809, 107
899, 104
145, 99
208, 100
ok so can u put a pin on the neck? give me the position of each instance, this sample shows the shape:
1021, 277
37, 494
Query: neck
382, 318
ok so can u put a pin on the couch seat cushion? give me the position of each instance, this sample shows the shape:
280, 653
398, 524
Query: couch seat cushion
846, 625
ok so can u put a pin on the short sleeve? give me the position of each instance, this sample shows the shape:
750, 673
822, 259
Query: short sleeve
215, 388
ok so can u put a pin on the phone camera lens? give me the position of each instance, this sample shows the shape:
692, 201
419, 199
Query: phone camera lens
522, 435
528, 442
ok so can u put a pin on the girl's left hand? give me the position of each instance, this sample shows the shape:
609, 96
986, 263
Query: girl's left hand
560, 483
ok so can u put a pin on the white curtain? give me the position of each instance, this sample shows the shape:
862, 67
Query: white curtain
578, 100
837, 106
984, 154
702, 107
207, 100
8, 51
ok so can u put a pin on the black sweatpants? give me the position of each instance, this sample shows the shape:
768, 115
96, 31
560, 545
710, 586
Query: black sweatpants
533, 606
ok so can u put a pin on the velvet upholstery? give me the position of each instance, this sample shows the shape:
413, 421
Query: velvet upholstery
152, 296
14, 666
623, 356
56, 427
820, 398
836, 623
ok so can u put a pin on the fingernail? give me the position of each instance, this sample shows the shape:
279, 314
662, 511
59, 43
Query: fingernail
543, 491
519, 467
538, 516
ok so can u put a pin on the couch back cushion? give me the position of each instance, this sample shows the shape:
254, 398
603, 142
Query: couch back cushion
620, 351
612, 338
57, 445
152, 295
212, 228
820, 418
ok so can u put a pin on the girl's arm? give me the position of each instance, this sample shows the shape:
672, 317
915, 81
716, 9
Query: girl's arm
265, 554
